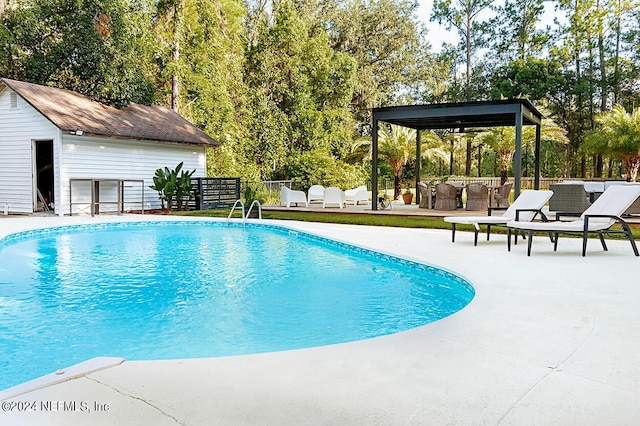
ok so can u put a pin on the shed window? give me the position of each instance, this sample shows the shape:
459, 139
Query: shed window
13, 100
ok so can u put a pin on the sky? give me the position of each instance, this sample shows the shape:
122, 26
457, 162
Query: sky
437, 33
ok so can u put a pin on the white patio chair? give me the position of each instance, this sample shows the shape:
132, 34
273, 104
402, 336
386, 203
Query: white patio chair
333, 195
289, 196
527, 206
598, 219
315, 193
356, 195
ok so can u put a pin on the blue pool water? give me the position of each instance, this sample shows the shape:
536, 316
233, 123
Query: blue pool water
199, 289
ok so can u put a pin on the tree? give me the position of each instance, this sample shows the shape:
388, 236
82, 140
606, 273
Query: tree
592, 46
101, 49
299, 93
388, 45
396, 146
171, 21
318, 167
463, 16
619, 136
518, 37
503, 141
532, 78
201, 51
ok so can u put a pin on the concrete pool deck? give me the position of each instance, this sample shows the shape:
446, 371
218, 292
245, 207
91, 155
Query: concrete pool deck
549, 339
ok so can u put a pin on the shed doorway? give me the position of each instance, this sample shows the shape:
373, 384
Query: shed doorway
43, 176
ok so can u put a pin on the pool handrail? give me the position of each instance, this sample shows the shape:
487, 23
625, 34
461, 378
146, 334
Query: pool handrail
255, 202
234, 207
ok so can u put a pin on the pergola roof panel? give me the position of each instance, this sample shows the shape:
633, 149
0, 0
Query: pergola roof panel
460, 115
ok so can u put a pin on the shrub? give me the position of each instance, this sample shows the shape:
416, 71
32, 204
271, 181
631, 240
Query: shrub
173, 185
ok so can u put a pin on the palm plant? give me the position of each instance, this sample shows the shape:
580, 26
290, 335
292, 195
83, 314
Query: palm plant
397, 145
503, 141
619, 136
173, 184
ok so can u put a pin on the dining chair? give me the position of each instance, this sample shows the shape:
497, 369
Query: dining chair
500, 195
446, 197
477, 196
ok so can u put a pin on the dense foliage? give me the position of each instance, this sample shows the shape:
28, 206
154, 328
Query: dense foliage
287, 86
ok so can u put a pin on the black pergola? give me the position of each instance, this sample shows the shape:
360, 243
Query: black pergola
461, 116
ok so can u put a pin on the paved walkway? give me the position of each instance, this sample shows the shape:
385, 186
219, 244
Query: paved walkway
550, 339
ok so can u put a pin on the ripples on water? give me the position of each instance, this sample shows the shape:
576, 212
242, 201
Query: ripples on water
198, 290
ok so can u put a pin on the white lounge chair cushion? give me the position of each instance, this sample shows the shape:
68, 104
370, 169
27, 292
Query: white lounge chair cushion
613, 202
611, 183
475, 220
560, 226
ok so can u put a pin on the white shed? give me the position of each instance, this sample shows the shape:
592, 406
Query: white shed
58, 147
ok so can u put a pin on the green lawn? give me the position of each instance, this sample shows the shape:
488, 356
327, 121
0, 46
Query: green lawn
366, 219
347, 218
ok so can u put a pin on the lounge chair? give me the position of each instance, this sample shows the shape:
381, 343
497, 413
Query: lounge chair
333, 195
289, 196
315, 193
635, 207
356, 195
598, 219
527, 206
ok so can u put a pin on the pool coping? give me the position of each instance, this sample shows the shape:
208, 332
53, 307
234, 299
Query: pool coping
548, 339
80, 369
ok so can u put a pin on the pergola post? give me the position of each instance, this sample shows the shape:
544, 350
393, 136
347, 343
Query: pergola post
517, 158
418, 163
374, 164
536, 179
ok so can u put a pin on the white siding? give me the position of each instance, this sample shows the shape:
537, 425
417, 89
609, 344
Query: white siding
102, 158
18, 128
80, 157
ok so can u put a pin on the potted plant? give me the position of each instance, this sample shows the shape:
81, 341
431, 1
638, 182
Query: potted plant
407, 196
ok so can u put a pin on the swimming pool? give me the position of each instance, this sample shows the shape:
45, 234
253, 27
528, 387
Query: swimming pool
162, 290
